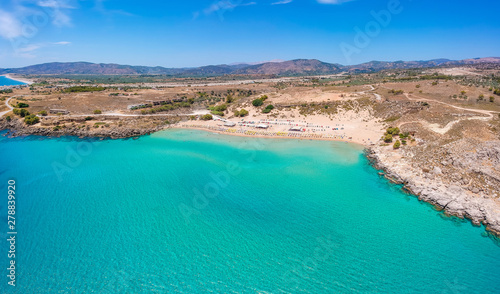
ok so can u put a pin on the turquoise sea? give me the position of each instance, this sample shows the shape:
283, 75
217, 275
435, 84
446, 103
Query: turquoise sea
8, 82
185, 211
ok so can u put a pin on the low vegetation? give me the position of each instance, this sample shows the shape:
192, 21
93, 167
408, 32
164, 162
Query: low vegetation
78, 89
207, 117
31, 119
241, 113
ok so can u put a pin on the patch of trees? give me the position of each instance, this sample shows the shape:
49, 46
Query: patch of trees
6, 91
435, 77
22, 105
207, 117
21, 112
396, 92
260, 101
167, 107
78, 89
141, 106
393, 132
241, 113
31, 119
268, 108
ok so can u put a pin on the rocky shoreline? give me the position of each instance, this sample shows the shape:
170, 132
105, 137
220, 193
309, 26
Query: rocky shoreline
18, 129
453, 199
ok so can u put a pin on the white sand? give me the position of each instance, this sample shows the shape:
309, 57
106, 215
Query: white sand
26, 81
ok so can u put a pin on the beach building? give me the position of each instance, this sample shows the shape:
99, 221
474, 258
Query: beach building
262, 126
297, 129
229, 124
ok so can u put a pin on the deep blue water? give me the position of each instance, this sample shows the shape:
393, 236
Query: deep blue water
8, 82
185, 211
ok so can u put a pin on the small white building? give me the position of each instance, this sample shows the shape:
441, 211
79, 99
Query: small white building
229, 124
262, 126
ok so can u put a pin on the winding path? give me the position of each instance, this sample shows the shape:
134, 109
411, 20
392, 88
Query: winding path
198, 112
443, 130
8, 105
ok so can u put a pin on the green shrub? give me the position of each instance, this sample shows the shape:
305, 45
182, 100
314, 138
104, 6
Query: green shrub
397, 144
241, 113
220, 108
388, 138
404, 135
97, 111
266, 110
393, 131
31, 119
257, 102
89, 118
207, 117
77, 89
22, 105
8, 118
219, 113
271, 107
21, 112
43, 113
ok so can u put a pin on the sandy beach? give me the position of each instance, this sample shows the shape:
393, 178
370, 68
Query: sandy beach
360, 128
15, 78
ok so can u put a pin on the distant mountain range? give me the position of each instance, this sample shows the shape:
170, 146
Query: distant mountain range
281, 68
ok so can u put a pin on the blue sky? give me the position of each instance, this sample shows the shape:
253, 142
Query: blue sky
194, 33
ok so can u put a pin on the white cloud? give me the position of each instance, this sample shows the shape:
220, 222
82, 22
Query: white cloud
282, 2
62, 43
29, 51
60, 15
10, 26
333, 1
56, 4
29, 48
225, 5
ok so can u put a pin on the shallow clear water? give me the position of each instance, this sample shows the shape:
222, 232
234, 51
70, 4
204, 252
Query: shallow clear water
192, 212
8, 82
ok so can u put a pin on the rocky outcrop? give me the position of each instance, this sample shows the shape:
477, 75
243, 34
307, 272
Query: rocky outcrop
439, 189
17, 128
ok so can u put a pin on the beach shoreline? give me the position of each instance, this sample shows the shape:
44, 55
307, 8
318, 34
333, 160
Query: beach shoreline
267, 137
18, 79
